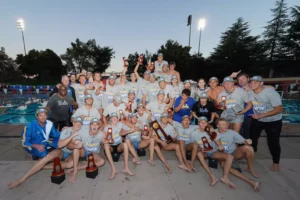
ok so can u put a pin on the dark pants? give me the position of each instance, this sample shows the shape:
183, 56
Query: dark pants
60, 124
246, 128
273, 130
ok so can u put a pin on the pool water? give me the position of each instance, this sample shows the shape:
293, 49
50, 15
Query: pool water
21, 109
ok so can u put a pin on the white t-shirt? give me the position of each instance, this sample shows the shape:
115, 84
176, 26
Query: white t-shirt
112, 108
89, 114
156, 109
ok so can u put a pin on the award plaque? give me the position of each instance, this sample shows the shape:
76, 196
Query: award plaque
145, 131
109, 138
206, 145
58, 174
155, 126
126, 64
91, 171
212, 135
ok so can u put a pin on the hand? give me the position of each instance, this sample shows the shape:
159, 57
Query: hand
182, 101
241, 112
82, 117
75, 133
221, 148
145, 137
163, 143
39, 147
234, 74
203, 150
58, 85
210, 121
256, 116
248, 141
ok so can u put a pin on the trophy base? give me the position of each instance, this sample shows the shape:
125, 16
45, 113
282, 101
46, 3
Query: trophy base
115, 157
212, 163
92, 174
58, 179
188, 155
141, 152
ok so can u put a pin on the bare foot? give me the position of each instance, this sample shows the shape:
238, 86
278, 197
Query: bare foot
275, 167
187, 165
168, 168
69, 171
255, 186
136, 161
228, 183
184, 168
12, 185
113, 173
73, 177
213, 180
127, 171
151, 162
253, 173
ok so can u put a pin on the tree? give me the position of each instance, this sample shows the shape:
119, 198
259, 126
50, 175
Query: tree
275, 33
8, 68
238, 46
47, 65
88, 56
173, 51
132, 60
292, 42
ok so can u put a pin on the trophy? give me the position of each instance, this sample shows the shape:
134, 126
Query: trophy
121, 115
129, 107
58, 174
212, 135
223, 99
152, 67
109, 137
141, 59
167, 99
126, 64
91, 171
206, 145
170, 112
145, 131
155, 126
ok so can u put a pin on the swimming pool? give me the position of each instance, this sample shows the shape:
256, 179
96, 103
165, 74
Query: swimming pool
20, 109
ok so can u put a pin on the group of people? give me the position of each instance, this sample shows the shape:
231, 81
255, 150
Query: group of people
159, 112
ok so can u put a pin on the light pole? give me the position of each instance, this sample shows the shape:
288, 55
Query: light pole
201, 25
21, 27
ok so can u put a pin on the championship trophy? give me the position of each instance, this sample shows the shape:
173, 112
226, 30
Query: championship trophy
170, 112
155, 126
129, 107
152, 67
141, 59
167, 99
58, 174
126, 64
223, 99
122, 117
91, 171
109, 137
206, 145
212, 135
145, 131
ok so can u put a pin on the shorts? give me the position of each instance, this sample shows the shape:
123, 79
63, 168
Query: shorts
115, 148
209, 154
36, 154
65, 155
136, 145
237, 119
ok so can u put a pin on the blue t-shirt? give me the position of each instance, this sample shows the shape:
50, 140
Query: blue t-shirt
186, 109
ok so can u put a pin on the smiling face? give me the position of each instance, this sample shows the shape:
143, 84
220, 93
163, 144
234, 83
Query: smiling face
223, 126
201, 83
186, 122
89, 102
63, 90
213, 84
42, 117
228, 86
73, 78
203, 124
242, 81
97, 77
254, 85
114, 120
82, 80
77, 126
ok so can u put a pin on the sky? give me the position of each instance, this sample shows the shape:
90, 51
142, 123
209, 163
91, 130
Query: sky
126, 26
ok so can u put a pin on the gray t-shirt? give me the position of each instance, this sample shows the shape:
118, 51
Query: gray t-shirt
196, 137
91, 143
156, 109
79, 92
141, 84
115, 132
151, 91
169, 130
136, 135
265, 102
59, 107
229, 139
65, 134
143, 118
184, 133
112, 108
89, 114
158, 66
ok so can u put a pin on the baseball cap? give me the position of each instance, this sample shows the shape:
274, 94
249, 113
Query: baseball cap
256, 78
161, 79
117, 98
174, 77
113, 72
203, 95
186, 81
94, 120
152, 74
131, 91
132, 74
228, 79
41, 110
185, 116
88, 96
140, 105
161, 92
164, 115
160, 54
213, 78
89, 73
113, 114
111, 77
132, 115
78, 119
202, 118
147, 72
